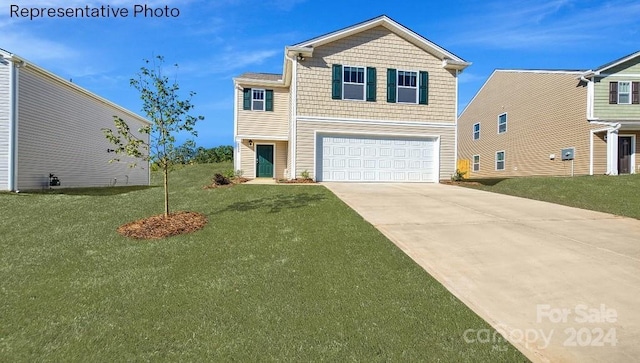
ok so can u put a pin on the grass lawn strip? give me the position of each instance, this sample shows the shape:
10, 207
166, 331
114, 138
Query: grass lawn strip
278, 273
610, 194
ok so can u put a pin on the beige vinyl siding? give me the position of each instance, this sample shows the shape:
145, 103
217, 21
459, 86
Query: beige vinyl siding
599, 153
265, 123
307, 132
629, 71
382, 49
546, 112
5, 122
248, 158
59, 132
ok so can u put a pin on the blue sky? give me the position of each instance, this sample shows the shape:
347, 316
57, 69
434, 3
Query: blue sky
215, 40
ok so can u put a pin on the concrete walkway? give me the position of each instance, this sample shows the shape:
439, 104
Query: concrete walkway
562, 284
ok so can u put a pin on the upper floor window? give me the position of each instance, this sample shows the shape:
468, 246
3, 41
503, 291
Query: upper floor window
624, 93
502, 123
257, 99
353, 83
407, 87
476, 131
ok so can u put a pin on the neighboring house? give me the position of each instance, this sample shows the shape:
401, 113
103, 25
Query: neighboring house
52, 127
371, 102
524, 122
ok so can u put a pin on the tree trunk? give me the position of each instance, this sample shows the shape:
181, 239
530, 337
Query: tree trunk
166, 190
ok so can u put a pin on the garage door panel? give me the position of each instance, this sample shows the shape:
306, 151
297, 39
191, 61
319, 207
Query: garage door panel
369, 158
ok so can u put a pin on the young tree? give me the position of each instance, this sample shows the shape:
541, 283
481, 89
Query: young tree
169, 115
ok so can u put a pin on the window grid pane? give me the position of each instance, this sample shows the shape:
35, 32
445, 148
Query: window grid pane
407, 91
624, 95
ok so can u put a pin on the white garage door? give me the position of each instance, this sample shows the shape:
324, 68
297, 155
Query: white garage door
376, 159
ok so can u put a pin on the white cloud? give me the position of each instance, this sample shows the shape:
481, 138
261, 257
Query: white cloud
557, 23
228, 61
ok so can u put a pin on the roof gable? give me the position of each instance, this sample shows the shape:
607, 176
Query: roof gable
393, 26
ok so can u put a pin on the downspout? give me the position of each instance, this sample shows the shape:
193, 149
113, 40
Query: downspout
294, 113
13, 126
455, 133
237, 144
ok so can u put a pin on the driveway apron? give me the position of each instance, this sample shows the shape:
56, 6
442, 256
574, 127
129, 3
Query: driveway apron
561, 284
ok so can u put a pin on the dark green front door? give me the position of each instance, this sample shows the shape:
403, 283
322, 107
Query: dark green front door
264, 161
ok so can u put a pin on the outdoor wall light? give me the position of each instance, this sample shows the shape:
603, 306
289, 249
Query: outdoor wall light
250, 142
300, 57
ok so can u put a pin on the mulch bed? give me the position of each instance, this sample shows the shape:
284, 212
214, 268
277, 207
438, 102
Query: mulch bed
233, 181
460, 182
160, 226
299, 181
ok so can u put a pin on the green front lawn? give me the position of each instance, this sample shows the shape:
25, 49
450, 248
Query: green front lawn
279, 273
611, 194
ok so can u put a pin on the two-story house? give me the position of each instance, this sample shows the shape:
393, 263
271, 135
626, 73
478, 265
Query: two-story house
553, 122
371, 102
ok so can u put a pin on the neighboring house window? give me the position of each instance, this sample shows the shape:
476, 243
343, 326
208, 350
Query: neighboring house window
353, 83
624, 93
500, 160
502, 123
476, 162
407, 86
257, 99
476, 131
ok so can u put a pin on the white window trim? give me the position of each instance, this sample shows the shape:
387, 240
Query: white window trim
264, 99
474, 131
364, 83
473, 163
417, 87
627, 93
506, 121
504, 160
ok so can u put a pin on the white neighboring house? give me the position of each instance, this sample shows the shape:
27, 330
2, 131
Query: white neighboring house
49, 125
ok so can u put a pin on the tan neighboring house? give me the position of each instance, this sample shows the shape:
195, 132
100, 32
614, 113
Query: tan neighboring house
372, 102
555, 123
50, 129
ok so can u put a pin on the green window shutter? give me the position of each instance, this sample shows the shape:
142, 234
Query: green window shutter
336, 82
391, 85
268, 99
371, 84
613, 93
246, 99
635, 93
423, 97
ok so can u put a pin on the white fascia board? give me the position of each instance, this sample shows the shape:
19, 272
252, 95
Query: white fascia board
455, 65
620, 61
240, 82
262, 137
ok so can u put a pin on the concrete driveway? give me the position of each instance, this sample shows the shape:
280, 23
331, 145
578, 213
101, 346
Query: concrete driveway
562, 284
